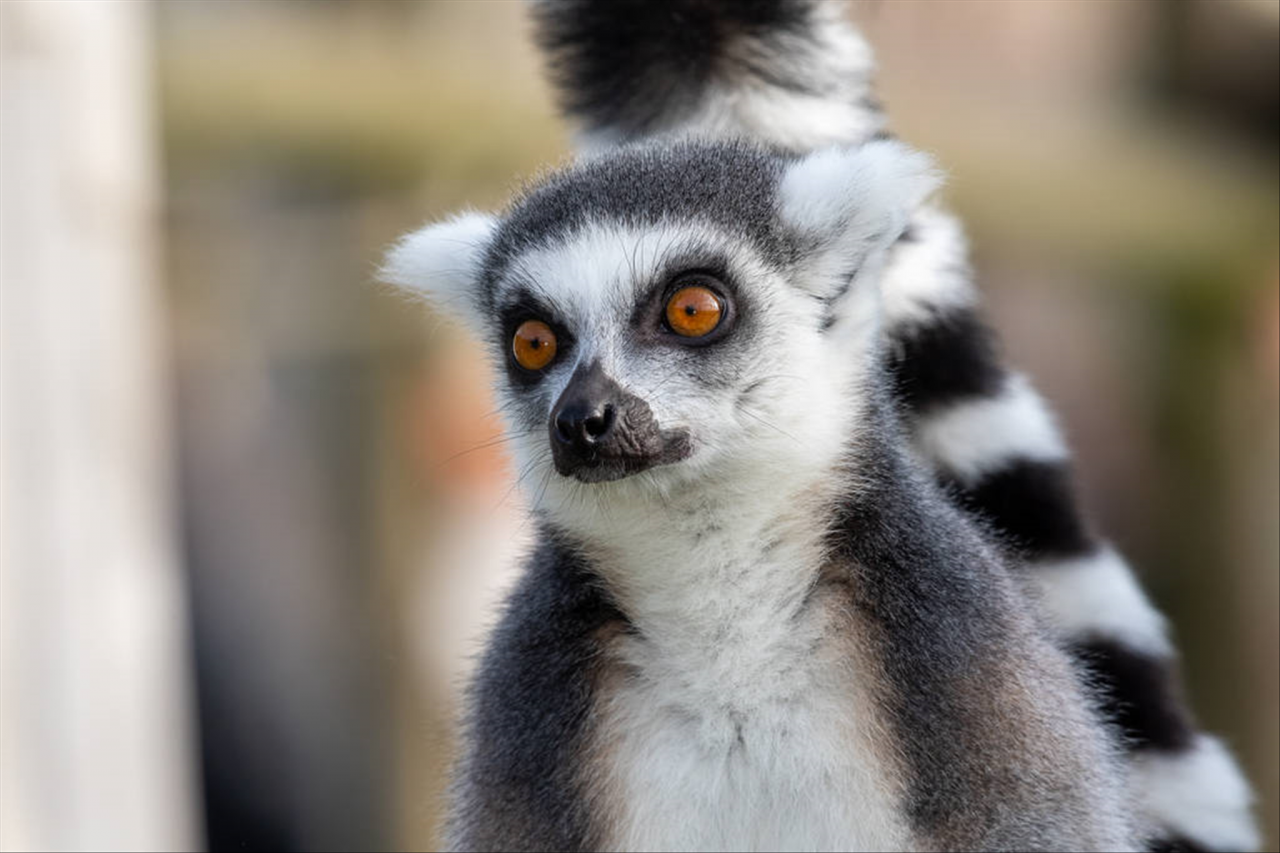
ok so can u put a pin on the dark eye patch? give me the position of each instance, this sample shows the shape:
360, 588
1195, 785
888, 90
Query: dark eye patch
526, 306
703, 271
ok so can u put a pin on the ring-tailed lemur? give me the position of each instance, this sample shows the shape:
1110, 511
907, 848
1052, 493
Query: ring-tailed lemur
795, 75
754, 619
752, 622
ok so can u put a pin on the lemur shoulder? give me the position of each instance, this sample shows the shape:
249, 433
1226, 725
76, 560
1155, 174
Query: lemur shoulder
810, 573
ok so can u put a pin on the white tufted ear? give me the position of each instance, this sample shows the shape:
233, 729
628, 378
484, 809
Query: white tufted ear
852, 204
442, 262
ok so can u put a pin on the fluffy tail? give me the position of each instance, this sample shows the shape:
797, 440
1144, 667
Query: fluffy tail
794, 74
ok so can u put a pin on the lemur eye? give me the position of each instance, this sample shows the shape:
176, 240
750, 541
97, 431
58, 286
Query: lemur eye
693, 311
534, 345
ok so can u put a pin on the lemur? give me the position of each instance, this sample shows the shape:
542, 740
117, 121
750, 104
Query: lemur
810, 572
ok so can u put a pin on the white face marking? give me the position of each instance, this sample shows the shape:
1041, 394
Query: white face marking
746, 402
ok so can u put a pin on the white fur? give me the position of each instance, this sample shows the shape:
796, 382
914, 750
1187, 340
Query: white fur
975, 437
736, 727
441, 262
868, 192
1099, 596
1200, 794
852, 203
740, 727
930, 275
593, 280
791, 120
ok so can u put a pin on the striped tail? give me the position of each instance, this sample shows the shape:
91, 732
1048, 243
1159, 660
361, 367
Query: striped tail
794, 74
993, 441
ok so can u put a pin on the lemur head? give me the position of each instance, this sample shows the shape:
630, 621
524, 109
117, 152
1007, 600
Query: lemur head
685, 309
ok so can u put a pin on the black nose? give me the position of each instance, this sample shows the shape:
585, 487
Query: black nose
584, 423
600, 431
587, 420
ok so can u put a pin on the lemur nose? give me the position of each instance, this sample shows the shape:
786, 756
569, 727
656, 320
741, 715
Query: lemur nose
584, 424
600, 431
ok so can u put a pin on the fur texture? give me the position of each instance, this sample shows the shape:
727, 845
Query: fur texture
790, 72
983, 430
864, 612
788, 639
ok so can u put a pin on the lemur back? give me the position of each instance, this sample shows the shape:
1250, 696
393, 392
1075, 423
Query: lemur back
769, 442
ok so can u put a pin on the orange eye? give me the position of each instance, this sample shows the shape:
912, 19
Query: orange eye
534, 345
693, 311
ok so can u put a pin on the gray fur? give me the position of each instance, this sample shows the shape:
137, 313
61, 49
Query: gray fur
1005, 747
1001, 748
991, 739
792, 74
514, 786
727, 184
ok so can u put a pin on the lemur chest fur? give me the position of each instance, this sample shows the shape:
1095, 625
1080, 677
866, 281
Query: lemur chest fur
741, 717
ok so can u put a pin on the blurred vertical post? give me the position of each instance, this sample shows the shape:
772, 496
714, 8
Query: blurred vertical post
94, 676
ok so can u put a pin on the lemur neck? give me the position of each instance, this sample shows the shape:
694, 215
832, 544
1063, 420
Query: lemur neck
718, 567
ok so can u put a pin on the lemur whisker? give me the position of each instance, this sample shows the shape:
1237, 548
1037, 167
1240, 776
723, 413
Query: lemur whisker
650, 392
524, 472
510, 404
536, 503
494, 442
746, 411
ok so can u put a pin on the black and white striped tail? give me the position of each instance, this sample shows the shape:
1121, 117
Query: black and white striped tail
794, 75
790, 72
992, 439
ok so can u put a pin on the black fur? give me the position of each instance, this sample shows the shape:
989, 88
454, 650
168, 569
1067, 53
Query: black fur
1141, 693
953, 358
525, 305
1032, 505
528, 711
634, 65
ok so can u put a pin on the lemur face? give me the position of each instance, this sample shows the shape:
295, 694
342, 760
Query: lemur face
676, 308
629, 346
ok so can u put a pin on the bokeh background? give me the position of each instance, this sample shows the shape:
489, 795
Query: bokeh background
254, 516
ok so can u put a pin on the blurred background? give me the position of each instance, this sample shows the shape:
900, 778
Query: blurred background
253, 524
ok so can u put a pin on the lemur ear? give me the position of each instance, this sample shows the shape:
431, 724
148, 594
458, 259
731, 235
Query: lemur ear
850, 205
442, 262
